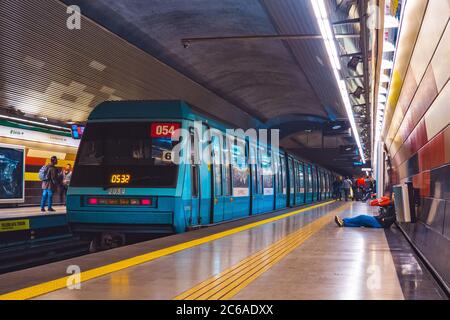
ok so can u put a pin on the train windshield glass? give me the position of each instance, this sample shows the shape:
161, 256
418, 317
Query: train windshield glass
126, 155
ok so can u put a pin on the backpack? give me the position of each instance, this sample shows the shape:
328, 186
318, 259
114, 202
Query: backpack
43, 173
387, 216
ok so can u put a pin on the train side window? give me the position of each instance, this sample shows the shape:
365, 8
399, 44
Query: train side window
217, 166
267, 172
255, 171
295, 172
277, 167
228, 142
310, 179
239, 168
194, 146
301, 178
194, 162
195, 181
291, 176
260, 171
283, 175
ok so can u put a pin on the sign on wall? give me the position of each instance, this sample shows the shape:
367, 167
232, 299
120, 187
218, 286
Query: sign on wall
12, 174
37, 136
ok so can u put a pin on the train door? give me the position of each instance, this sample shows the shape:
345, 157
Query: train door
226, 181
291, 194
194, 218
217, 207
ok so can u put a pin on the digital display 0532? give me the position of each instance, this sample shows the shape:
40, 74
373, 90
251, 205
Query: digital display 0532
120, 178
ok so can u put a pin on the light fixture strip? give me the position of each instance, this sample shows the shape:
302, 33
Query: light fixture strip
330, 46
34, 122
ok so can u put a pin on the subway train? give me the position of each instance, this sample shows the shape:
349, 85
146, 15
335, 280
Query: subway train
126, 181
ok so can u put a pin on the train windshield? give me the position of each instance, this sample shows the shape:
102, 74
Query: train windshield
125, 155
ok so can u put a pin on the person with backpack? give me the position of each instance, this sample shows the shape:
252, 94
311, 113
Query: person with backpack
48, 174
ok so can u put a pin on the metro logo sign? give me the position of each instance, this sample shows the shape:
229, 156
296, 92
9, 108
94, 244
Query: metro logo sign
164, 129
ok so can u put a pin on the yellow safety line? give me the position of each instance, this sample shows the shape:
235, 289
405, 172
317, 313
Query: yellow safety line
232, 280
61, 283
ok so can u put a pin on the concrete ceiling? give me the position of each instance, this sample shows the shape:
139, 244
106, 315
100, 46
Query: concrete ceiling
282, 83
50, 71
266, 78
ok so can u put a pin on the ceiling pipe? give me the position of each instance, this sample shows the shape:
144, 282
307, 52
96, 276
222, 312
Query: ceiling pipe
186, 42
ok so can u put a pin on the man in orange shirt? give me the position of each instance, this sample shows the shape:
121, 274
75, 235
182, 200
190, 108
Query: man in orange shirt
361, 186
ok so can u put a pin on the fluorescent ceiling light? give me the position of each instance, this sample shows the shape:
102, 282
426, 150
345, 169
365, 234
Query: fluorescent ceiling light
384, 78
34, 122
387, 64
328, 38
388, 47
390, 22
381, 98
382, 90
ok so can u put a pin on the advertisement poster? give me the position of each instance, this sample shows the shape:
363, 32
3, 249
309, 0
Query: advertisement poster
12, 159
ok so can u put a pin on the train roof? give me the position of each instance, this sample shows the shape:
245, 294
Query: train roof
141, 109
154, 109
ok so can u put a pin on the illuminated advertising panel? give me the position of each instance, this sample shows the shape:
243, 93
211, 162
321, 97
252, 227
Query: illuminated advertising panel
12, 172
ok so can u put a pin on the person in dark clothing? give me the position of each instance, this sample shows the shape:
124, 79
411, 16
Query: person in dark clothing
384, 220
50, 184
337, 186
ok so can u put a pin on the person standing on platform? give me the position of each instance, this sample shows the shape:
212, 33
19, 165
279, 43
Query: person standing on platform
360, 187
337, 189
346, 185
66, 176
49, 176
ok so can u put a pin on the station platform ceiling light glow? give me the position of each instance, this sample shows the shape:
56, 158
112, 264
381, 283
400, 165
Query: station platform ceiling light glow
321, 14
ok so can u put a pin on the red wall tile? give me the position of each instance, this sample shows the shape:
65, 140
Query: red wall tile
432, 155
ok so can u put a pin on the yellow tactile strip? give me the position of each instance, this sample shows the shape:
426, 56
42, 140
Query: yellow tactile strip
229, 282
61, 283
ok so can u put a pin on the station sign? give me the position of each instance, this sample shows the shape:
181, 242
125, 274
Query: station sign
38, 136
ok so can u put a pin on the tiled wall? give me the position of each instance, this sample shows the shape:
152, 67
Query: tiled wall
418, 133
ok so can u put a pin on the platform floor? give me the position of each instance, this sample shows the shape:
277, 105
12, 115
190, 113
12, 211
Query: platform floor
300, 256
20, 212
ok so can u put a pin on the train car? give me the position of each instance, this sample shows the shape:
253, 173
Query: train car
125, 181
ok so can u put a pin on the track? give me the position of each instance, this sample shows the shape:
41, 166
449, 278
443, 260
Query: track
29, 255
